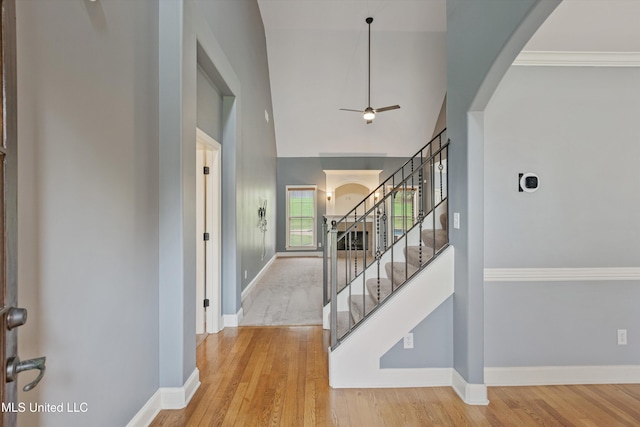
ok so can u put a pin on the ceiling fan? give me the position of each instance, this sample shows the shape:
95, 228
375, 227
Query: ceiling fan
370, 113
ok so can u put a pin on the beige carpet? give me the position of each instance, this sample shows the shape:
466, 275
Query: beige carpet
289, 293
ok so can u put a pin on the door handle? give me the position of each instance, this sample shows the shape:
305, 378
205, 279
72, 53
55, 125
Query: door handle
15, 366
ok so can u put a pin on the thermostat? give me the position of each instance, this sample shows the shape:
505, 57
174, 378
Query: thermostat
528, 182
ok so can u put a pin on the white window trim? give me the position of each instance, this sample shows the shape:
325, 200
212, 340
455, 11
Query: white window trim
289, 188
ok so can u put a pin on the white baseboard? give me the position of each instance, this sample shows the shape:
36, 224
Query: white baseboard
356, 362
179, 397
562, 375
300, 254
255, 280
166, 398
471, 394
402, 378
148, 413
232, 320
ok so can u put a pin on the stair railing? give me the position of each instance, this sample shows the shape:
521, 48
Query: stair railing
386, 220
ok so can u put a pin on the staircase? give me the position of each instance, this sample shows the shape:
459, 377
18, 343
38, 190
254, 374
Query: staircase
386, 240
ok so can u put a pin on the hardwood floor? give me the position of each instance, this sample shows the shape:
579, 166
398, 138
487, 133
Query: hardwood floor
278, 376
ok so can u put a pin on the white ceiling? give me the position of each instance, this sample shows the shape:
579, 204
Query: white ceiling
317, 62
317, 52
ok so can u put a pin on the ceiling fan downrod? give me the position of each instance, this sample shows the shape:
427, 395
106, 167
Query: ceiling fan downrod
369, 113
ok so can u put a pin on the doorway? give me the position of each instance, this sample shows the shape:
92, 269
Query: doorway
208, 232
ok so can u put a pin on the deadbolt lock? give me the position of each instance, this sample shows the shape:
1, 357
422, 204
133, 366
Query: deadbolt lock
16, 317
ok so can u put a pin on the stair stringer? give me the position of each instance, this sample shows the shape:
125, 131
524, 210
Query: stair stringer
355, 363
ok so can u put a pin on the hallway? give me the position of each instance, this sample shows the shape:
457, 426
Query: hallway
289, 293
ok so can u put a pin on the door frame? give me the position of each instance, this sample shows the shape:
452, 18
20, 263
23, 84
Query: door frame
10, 154
213, 219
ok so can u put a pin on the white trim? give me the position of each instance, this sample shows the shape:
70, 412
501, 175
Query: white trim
255, 280
166, 398
209, 320
148, 413
288, 189
578, 59
560, 274
561, 375
471, 394
179, 397
404, 378
232, 320
356, 362
310, 253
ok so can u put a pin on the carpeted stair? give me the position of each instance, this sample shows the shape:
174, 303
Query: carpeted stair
380, 288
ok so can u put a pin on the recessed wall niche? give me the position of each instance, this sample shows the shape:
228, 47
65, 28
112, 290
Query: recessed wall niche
348, 188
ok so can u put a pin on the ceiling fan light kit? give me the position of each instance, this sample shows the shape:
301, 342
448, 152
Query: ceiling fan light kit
368, 114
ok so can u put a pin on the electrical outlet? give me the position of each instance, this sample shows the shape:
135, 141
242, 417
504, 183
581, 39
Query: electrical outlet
408, 340
245, 274
456, 220
319, 244
622, 337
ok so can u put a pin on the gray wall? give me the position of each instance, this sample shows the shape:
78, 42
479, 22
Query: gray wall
432, 343
309, 171
209, 108
237, 27
106, 233
228, 39
88, 205
577, 129
561, 323
483, 38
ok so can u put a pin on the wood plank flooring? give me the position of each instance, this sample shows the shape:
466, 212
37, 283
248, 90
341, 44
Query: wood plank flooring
277, 376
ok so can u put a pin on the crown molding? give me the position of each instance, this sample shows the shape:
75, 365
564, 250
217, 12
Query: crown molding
578, 59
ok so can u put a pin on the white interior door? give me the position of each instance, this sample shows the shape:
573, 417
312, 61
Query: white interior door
208, 220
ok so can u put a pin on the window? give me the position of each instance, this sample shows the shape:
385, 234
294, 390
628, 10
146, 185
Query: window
404, 208
301, 217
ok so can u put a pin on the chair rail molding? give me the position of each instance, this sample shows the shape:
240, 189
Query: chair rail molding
561, 274
578, 59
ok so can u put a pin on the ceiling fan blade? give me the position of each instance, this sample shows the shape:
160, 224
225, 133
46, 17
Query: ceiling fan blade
348, 109
391, 107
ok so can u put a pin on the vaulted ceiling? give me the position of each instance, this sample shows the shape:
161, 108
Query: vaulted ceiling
317, 52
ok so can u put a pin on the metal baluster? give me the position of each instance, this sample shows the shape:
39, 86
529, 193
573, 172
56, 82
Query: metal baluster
325, 290
441, 167
384, 217
364, 263
334, 285
355, 249
433, 200
393, 226
378, 255
421, 212
349, 280
447, 176
404, 228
